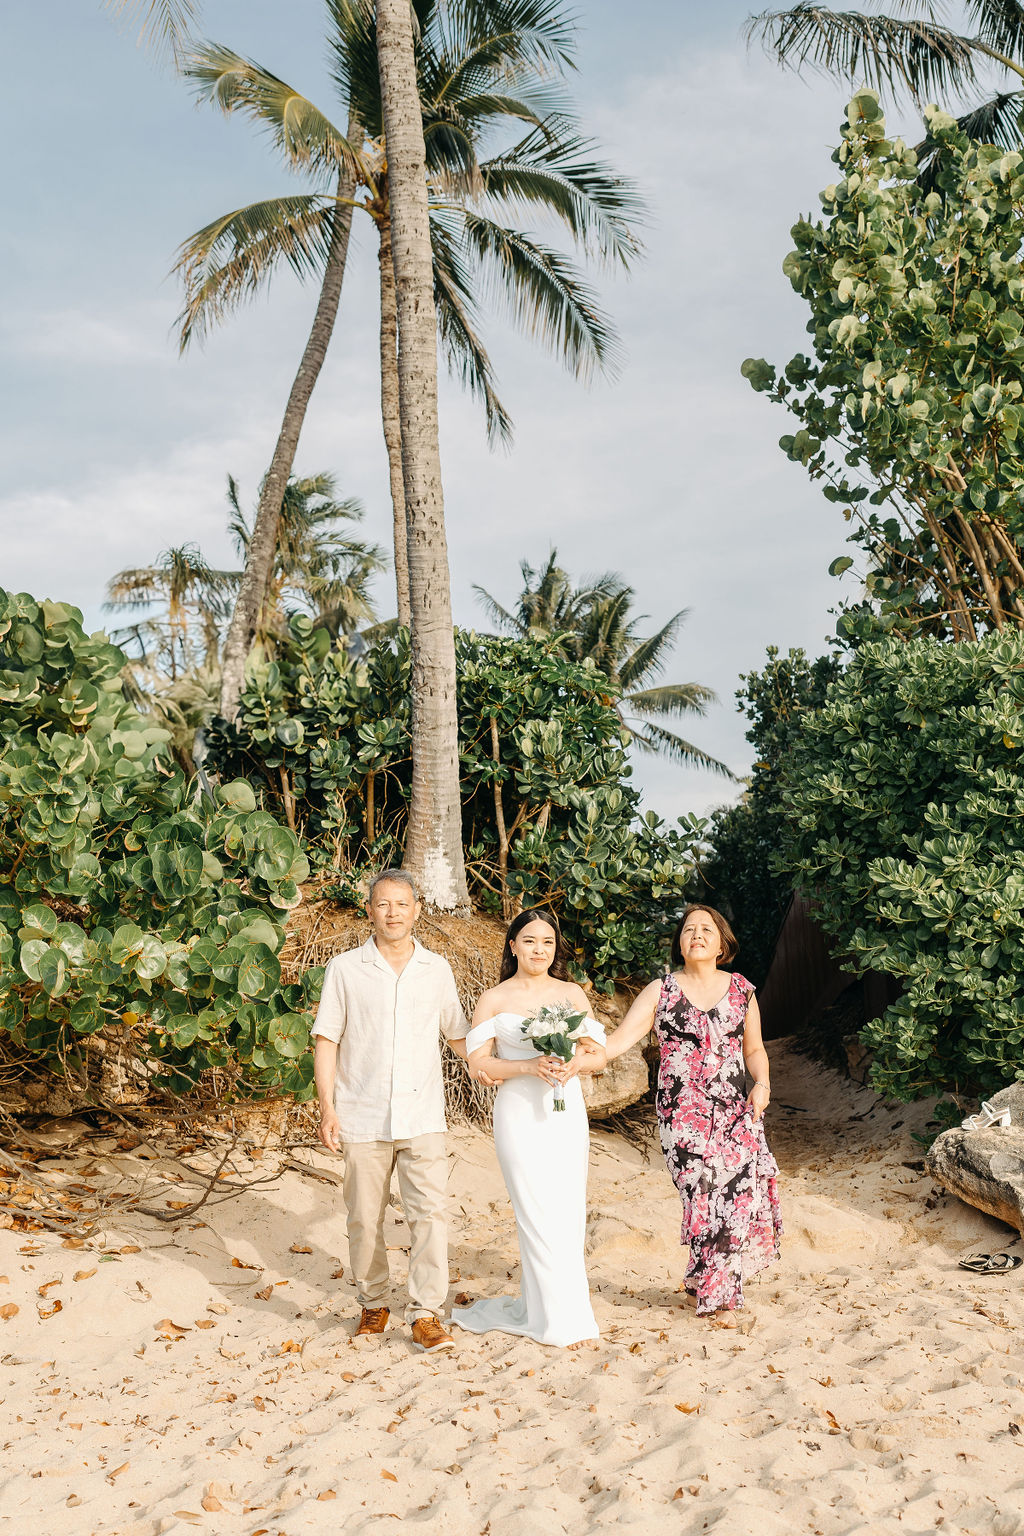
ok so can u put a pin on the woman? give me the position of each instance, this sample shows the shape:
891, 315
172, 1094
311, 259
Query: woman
543, 1154
707, 1026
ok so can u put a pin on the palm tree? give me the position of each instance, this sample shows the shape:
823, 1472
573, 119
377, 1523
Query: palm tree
909, 52
433, 845
194, 595
480, 68
594, 621
317, 569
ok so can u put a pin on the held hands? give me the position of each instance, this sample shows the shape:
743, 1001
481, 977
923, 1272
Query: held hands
758, 1098
592, 1059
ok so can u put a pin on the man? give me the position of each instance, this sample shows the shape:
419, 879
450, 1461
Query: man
378, 1078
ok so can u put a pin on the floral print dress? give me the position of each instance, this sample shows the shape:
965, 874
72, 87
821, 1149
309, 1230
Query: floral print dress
716, 1153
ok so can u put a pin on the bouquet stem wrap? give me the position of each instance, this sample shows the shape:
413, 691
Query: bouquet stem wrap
553, 1031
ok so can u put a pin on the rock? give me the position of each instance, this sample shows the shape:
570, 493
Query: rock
986, 1168
621, 1084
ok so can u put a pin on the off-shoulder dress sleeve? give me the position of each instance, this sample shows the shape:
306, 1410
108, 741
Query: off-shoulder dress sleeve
480, 1034
595, 1031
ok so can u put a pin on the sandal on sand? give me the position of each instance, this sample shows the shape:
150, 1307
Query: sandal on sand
991, 1263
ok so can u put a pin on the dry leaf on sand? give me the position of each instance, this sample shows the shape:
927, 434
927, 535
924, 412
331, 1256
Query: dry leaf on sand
168, 1329
238, 1264
205, 1322
45, 1312
42, 1289
83, 1274
328, 1493
212, 1504
118, 1470
9, 1309
299, 1248
265, 1294
389, 1475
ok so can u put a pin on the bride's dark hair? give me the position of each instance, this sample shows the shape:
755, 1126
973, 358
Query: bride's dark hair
558, 968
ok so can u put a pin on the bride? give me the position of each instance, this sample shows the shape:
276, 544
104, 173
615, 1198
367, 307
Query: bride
543, 1154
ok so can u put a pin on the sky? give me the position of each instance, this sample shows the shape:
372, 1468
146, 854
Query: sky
113, 447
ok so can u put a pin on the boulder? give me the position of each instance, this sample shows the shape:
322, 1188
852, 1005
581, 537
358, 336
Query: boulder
986, 1168
621, 1084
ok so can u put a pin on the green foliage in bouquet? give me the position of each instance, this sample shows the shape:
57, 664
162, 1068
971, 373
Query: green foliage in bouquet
911, 410
549, 813
904, 795
138, 919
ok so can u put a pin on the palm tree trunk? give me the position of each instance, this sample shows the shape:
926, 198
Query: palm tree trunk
433, 849
390, 413
259, 557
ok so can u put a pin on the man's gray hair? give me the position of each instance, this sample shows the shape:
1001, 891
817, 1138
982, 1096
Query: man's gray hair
399, 876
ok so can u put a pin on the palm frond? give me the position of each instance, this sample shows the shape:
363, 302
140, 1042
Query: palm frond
655, 738
543, 293
300, 131
499, 616
647, 658
495, 37
163, 23
999, 24
456, 323
887, 52
552, 169
135, 587
671, 699
228, 261
352, 44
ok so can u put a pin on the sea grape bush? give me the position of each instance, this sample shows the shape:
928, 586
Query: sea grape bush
137, 916
903, 796
911, 409
326, 737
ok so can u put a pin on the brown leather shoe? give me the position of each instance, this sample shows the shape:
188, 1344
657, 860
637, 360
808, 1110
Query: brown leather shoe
372, 1320
428, 1334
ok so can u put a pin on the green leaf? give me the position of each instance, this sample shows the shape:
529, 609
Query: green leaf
259, 972
238, 795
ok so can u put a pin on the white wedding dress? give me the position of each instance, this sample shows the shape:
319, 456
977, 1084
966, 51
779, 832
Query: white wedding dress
543, 1155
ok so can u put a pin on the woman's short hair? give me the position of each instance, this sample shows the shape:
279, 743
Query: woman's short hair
729, 944
396, 877
558, 968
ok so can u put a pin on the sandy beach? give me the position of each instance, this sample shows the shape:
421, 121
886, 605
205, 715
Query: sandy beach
201, 1375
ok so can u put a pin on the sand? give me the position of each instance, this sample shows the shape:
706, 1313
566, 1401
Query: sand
202, 1375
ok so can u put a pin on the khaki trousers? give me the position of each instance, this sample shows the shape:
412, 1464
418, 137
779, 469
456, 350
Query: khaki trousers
422, 1182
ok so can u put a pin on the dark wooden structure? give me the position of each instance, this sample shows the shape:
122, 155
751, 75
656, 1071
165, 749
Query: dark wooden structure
804, 980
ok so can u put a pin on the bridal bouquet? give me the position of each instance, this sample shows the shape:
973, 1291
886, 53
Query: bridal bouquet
554, 1030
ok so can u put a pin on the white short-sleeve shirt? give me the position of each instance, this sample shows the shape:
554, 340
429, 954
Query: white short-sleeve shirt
388, 1083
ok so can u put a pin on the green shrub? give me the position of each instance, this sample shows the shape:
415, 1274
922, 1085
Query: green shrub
136, 916
327, 740
740, 876
904, 796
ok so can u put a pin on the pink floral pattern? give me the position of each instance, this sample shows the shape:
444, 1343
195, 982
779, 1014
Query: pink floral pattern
716, 1153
